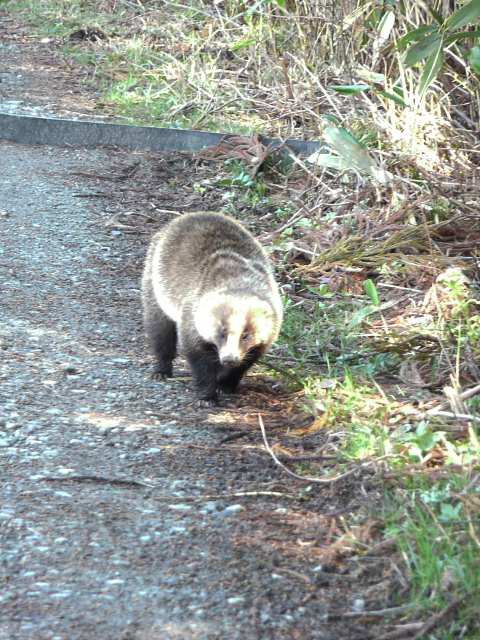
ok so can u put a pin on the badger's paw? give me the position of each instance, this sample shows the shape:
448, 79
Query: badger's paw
226, 389
158, 375
162, 373
204, 403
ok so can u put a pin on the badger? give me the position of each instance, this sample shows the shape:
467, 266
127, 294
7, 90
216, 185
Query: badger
208, 285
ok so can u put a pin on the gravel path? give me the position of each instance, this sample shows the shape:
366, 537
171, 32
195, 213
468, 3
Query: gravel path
98, 538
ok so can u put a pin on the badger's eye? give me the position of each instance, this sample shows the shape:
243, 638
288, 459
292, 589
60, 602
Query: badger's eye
223, 334
245, 336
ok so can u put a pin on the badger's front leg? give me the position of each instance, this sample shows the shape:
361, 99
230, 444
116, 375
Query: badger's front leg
203, 361
202, 357
229, 378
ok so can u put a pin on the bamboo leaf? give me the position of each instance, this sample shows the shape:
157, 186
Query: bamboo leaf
398, 90
331, 118
281, 3
328, 160
423, 49
352, 151
386, 25
348, 90
347, 136
360, 315
371, 76
415, 34
468, 13
242, 44
475, 59
353, 154
371, 291
436, 15
463, 34
431, 70
393, 96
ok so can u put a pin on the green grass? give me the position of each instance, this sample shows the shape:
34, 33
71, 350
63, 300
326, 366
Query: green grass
438, 538
318, 335
60, 17
143, 85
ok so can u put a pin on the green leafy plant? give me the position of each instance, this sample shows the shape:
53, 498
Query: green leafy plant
421, 441
280, 3
431, 41
464, 324
375, 307
439, 544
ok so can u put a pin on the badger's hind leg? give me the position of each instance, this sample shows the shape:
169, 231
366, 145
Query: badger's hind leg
162, 336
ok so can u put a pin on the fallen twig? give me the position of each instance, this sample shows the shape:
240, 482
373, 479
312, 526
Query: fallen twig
309, 478
93, 195
237, 494
234, 436
284, 372
451, 414
469, 393
401, 631
101, 479
381, 613
433, 620
114, 221
124, 481
284, 457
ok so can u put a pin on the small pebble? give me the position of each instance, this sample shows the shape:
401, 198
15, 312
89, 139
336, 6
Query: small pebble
358, 605
232, 510
69, 369
174, 530
180, 507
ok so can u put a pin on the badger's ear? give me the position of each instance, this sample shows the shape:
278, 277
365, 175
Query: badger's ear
259, 311
206, 317
261, 318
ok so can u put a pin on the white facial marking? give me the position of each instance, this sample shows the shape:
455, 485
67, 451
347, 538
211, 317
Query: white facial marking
237, 314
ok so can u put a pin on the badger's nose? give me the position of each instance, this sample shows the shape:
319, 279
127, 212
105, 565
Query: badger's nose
229, 361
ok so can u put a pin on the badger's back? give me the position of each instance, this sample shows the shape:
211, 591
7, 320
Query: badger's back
201, 253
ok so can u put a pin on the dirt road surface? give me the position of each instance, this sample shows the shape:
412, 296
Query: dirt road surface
125, 513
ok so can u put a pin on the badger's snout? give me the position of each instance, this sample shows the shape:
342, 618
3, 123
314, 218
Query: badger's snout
229, 360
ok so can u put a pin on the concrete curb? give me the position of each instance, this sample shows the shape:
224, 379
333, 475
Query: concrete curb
83, 133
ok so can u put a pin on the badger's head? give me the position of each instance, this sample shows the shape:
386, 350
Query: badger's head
235, 324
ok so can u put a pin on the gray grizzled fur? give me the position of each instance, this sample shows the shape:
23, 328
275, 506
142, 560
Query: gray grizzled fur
208, 285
